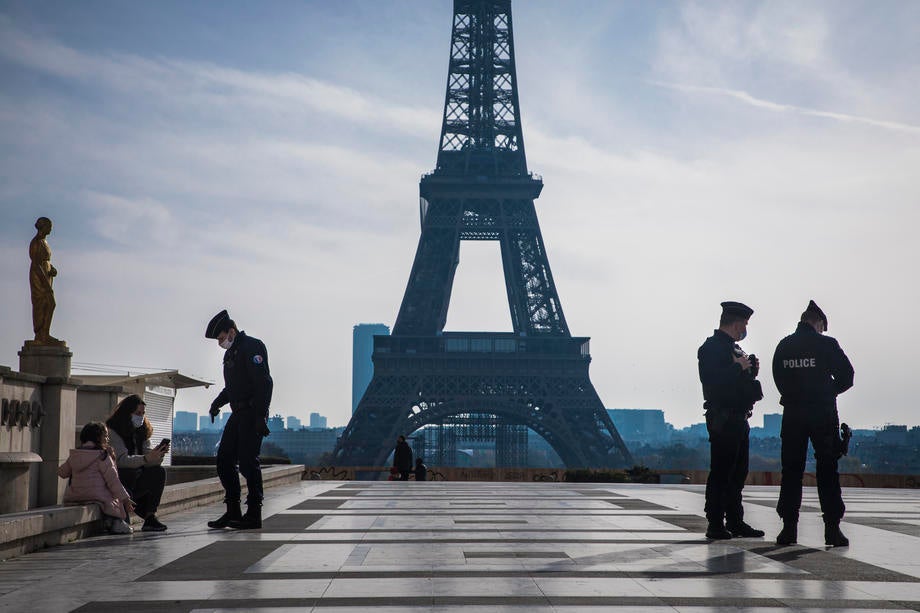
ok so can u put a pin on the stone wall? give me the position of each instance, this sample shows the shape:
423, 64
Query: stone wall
22, 416
698, 477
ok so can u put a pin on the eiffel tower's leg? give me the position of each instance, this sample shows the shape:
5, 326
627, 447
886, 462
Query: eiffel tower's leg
371, 434
535, 305
427, 297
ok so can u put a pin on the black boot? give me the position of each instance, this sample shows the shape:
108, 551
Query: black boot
717, 531
251, 520
789, 535
742, 530
832, 534
233, 513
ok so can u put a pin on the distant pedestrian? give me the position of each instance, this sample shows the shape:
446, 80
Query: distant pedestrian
402, 458
94, 478
730, 389
810, 371
248, 390
421, 471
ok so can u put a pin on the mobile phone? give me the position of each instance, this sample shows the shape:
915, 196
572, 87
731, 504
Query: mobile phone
164, 443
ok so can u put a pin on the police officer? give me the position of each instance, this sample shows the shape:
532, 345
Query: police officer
248, 391
730, 389
810, 370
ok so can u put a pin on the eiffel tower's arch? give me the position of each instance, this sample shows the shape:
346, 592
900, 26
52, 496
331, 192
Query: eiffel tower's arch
512, 412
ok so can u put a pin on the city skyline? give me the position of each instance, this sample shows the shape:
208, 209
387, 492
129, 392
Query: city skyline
757, 420
267, 161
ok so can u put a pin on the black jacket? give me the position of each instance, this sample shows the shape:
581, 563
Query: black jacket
811, 369
247, 381
725, 385
402, 457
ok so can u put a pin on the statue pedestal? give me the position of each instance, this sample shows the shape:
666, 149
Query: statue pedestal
45, 360
59, 397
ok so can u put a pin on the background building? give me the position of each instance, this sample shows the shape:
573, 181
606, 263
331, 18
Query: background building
641, 425
362, 367
204, 423
276, 423
317, 421
293, 423
772, 423
185, 421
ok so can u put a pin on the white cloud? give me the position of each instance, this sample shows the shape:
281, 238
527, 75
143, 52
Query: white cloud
747, 98
125, 221
201, 83
790, 51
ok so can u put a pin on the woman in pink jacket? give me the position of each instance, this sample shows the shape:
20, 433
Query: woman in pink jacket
94, 478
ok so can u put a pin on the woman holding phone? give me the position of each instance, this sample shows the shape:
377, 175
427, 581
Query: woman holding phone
139, 465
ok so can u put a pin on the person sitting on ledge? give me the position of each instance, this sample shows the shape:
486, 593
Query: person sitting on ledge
139, 466
94, 478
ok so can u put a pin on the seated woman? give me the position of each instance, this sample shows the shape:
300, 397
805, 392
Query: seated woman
138, 465
94, 478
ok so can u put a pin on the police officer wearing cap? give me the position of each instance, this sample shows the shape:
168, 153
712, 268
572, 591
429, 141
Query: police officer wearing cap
810, 370
730, 389
248, 391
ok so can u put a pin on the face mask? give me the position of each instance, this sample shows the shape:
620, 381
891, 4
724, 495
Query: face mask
743, 335
137, 421
226, 344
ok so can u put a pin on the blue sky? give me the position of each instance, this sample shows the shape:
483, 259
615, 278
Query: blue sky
266, 157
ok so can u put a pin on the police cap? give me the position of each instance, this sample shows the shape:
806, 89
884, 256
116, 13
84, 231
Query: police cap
812, 311
737, 309
219, 323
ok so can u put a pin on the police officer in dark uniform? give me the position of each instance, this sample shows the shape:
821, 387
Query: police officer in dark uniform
810, 370
730, 389
248, 391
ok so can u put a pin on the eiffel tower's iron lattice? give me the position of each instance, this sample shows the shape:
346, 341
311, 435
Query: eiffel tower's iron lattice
481, 189
441, 444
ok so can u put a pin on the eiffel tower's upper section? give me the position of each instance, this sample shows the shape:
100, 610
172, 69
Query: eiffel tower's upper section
481, 131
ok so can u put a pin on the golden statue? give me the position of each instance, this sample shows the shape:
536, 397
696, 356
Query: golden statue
41, 277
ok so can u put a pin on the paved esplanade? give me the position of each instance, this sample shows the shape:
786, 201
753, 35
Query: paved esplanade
438, 546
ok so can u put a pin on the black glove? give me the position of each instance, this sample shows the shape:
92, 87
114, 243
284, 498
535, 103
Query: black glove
214, 412
755, 365
262, 428
843, 443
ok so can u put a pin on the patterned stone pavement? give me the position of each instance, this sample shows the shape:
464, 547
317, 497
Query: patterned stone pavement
344, 547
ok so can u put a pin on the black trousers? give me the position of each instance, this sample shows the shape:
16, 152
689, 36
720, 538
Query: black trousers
821, 426
240, 444
728, 467
145, 484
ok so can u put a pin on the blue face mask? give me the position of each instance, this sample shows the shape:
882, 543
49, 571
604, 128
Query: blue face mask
743, 335
137, 421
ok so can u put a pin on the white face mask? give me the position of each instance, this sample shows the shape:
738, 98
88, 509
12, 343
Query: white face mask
227, 342
137, 421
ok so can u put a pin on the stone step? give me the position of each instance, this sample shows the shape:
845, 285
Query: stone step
48, 526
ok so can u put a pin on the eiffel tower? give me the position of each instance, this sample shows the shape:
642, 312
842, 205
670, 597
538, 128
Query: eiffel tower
536, 376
